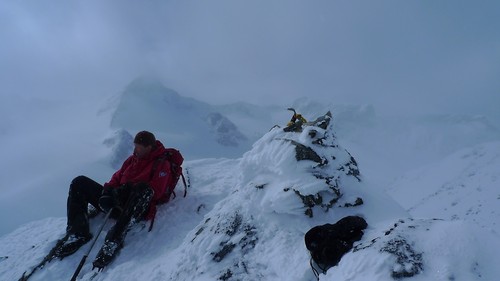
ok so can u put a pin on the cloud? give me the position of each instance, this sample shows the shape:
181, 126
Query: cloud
393, 54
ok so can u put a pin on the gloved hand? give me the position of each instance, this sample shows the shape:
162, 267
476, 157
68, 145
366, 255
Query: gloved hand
125, 188
108, 199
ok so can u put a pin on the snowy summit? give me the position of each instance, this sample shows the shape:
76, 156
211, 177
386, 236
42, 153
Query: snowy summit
245, 219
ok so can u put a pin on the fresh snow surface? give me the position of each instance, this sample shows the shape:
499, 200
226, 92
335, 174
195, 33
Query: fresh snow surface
243, 220
462, 186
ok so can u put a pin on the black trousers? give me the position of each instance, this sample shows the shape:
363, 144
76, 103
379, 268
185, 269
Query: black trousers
133, 201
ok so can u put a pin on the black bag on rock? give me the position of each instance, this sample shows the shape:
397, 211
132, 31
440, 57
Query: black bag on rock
329, 242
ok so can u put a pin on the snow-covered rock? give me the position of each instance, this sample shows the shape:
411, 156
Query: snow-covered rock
245, 219
280, 193
420, 250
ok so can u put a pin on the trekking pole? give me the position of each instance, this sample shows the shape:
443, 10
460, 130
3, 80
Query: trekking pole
82, 262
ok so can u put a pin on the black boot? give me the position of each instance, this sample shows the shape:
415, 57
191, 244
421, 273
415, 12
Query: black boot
107, 254
70, 243
112, 245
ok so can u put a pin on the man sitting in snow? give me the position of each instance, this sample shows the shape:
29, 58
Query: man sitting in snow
130, 195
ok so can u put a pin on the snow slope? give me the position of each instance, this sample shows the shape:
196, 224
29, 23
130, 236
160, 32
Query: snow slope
462, 186
244, 219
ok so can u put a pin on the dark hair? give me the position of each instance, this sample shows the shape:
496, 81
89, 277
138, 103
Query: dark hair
145, 138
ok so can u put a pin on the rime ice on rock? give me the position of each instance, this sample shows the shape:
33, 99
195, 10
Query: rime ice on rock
286, 173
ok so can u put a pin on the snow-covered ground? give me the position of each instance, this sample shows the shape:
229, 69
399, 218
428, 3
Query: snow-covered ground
244, 217
462, 186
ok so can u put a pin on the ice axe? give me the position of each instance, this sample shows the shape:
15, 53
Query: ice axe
297, 117
294, 116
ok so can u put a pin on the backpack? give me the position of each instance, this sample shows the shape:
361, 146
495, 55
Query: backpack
175, 159
329, 242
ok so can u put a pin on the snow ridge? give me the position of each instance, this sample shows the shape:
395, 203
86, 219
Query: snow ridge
245, 219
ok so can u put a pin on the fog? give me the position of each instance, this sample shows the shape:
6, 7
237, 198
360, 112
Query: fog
61, 61
397, 55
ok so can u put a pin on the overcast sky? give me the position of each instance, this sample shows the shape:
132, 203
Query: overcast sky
431, 56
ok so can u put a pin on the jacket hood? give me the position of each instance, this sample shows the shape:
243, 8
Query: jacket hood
159, 150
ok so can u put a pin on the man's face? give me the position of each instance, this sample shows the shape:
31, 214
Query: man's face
141, 151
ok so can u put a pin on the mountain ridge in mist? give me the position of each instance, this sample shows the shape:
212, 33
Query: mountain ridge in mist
191, 125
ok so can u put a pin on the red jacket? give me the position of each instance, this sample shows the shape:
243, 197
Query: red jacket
135, 170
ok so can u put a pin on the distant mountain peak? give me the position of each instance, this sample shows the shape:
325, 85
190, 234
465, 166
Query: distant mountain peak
147, 104
226, 131
143, 83
152, 90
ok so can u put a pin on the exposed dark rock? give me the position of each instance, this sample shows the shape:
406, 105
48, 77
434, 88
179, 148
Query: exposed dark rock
230, 228
351, 168
408, 261
226, 248
358, 202
234, 226
250, 239
261, 186
199, 231
226, 275
310, 201
325, 200
323, 121
303, 152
